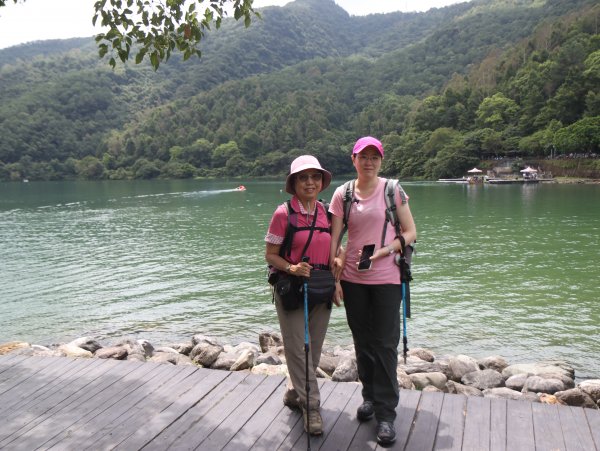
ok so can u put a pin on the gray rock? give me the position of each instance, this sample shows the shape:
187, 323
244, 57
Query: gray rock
166, 349
422, 353
268, 340
424, 367
494, 362
567, 381
561, 364
87, 343
404, 380
422, 380
483, 379
460, 389
206, 354
244, 361
164, 357
199, 338
576, 397
270, 370
534, 369
461, 365
537, 384
182, 348
591, 387
137, 357
224, 361
346, 371
328, 363
517, 381
71, 350
432, 388
504, 393
112, 352
269, 358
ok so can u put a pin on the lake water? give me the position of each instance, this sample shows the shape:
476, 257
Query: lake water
505, 270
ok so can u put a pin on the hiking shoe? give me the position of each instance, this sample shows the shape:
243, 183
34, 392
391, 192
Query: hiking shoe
365, 411
314, 420
386, 435
291, 399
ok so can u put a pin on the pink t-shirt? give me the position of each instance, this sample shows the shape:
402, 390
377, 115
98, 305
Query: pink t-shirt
365, 226
318, 250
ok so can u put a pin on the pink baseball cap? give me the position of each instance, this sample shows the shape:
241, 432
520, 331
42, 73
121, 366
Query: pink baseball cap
300, 164
367, 141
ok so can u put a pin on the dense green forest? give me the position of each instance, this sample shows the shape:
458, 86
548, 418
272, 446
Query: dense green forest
442, 89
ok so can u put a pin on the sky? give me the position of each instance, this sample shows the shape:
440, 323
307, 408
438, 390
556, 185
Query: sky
37, 20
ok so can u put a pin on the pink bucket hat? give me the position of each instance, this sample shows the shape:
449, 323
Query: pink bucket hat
367, 141
300, 164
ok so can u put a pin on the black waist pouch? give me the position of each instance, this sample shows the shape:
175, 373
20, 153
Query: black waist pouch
321, 287
289, 289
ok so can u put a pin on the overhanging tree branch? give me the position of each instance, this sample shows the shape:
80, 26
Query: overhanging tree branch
156, 28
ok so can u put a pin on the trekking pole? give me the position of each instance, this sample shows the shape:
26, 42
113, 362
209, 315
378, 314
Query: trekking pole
404, 337
305, 281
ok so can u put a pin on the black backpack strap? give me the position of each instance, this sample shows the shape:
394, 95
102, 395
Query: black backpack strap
391, 213
286, 246
348, 201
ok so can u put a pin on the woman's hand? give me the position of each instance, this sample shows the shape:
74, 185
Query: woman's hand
338, 296
302, 269
338, 265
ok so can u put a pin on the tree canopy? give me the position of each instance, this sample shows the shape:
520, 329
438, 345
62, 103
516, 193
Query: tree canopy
155, 29
309, 78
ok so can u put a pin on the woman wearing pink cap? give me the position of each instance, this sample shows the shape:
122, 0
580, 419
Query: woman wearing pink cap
372, 296
306, 180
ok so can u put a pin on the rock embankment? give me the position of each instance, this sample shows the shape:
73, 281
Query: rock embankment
550, 382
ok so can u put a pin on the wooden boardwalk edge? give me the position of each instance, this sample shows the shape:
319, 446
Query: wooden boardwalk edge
74, 404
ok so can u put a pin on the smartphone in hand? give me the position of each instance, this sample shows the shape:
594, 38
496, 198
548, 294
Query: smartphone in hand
367, 251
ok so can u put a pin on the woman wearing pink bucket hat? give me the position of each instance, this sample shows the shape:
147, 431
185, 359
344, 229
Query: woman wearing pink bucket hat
373, 293
301, 228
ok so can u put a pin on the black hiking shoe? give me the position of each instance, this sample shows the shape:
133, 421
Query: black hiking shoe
386, 435
365, 412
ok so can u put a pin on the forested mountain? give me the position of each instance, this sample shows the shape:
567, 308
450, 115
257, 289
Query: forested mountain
442, 89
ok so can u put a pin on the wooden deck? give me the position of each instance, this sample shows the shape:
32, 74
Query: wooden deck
75, 404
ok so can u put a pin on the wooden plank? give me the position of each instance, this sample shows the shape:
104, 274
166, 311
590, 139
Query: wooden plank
296, 438
498, 424
25, 370
8, 364
280, 427
593, 419
405, 417
576, 430
228, 428
41, 406
78, 397
546, 427
341, 433
519, 426
118, 407
452, 423
140, 429
38, 377
426, 422
366, 435
331, 409
218, 411
248, 435
196, 414
476, 435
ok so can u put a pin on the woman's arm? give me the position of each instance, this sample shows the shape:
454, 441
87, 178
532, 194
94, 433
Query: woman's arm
336, 254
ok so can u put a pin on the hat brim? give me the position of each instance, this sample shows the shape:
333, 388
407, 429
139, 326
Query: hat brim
365, 146
289, 182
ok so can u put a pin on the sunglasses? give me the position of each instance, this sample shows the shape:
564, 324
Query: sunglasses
317, 177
